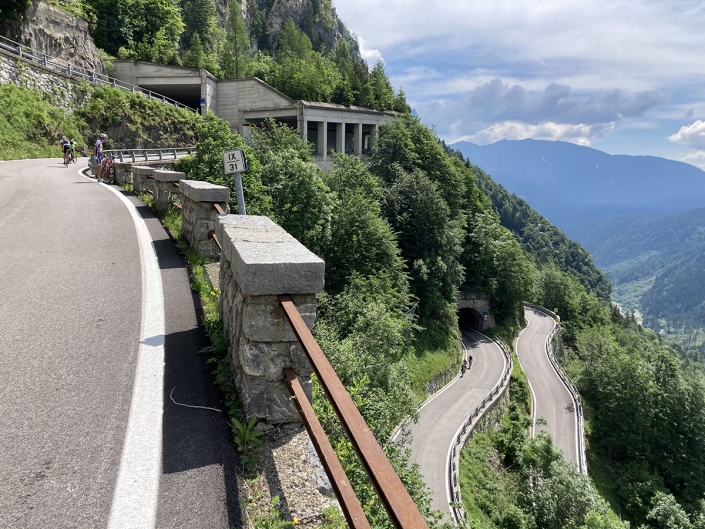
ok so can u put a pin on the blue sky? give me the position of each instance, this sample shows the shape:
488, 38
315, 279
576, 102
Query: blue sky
622, 76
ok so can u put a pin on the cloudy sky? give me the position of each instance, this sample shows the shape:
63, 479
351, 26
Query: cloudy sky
623, 76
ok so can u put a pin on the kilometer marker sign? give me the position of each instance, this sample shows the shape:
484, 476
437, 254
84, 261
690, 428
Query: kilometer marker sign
235, 162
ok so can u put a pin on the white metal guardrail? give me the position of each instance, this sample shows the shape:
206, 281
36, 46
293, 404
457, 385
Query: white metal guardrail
582, 459
466, 431
75, 71
145, 155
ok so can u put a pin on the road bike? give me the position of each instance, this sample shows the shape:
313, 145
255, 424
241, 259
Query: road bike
67, 158
107, 175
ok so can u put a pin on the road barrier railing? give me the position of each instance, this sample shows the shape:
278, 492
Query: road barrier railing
582, 458
42, 59
402, 510
467, 430
145, 155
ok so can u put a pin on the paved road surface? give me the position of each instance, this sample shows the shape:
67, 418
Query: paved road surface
70, 323
552, 400
441, 417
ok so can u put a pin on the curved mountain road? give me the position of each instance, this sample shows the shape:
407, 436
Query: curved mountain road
442, 415
552, 400
72, 316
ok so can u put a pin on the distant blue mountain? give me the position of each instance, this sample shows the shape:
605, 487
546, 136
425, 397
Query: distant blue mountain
570, 184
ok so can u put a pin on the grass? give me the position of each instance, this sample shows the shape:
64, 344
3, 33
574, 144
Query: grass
484, 486
31, 126
435, 350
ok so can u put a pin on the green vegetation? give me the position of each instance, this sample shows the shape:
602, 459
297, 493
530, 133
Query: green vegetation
300, 61
509, 480
12, 10
542, 240
33, 124
654, 263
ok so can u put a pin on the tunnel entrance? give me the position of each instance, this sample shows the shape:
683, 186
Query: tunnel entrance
470, 318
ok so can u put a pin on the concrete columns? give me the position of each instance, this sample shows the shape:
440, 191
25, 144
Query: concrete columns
141, 178
323, 139
199, 217
340, 137
357, 139
260, 261
164, 181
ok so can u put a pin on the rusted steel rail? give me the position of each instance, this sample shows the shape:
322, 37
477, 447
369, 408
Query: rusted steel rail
217, 207
343, 490
215, 239
402, 510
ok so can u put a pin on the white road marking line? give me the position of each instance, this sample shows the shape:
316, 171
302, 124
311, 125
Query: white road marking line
136, 491
449, 478
531, 388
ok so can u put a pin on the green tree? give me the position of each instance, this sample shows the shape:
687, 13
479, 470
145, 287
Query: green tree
213, 138
236, 54
382, 93
195, 57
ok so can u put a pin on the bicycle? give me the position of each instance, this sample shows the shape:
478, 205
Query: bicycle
107, 175
67, 158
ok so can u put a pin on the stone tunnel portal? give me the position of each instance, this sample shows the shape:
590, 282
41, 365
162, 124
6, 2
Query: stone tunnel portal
470, 318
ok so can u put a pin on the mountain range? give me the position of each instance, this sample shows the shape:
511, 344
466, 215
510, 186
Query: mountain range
571, 184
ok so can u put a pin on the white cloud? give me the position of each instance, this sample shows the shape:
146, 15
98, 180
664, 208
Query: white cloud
696, 158
691, 135
496, 110
371, 55
635, 44
515, 130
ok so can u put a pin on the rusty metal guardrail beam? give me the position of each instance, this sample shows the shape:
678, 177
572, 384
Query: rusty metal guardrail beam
343, 489
402, 510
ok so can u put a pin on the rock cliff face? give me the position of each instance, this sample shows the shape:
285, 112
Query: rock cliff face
50, 30
317, 18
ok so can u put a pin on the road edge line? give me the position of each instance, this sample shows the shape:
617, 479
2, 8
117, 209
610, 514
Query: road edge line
135, 497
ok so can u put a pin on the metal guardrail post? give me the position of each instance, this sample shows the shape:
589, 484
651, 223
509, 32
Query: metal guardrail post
133, 156
174, 154
121, 160
402, 510
349, 503
160, 155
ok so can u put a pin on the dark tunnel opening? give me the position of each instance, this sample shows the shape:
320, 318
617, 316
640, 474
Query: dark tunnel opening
470, 318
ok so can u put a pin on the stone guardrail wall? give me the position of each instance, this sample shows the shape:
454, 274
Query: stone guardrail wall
582, 458
467, 430
258, 262
199, 216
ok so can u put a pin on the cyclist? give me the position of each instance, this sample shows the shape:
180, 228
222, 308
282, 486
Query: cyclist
463, 367
73, 150
98, 154
66, 148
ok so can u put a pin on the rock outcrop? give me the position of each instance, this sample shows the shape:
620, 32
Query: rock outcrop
50, 30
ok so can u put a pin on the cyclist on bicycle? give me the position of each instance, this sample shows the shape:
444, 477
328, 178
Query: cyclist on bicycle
73, 149
65, 147
98, 154
463, 367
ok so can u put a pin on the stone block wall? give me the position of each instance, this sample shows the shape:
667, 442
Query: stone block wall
260, 261
142, 178
123, 170
63, 92
199, 217
164, 187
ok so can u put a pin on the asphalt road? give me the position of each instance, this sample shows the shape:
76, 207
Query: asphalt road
441, 416
552, 400
70, 316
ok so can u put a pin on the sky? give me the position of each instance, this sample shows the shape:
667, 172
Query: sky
622, 76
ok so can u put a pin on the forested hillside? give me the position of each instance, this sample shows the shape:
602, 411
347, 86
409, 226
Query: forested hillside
655, 264
543, 241
398, 235
302, 49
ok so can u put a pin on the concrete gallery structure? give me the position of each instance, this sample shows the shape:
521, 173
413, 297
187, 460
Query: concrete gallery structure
249, 101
